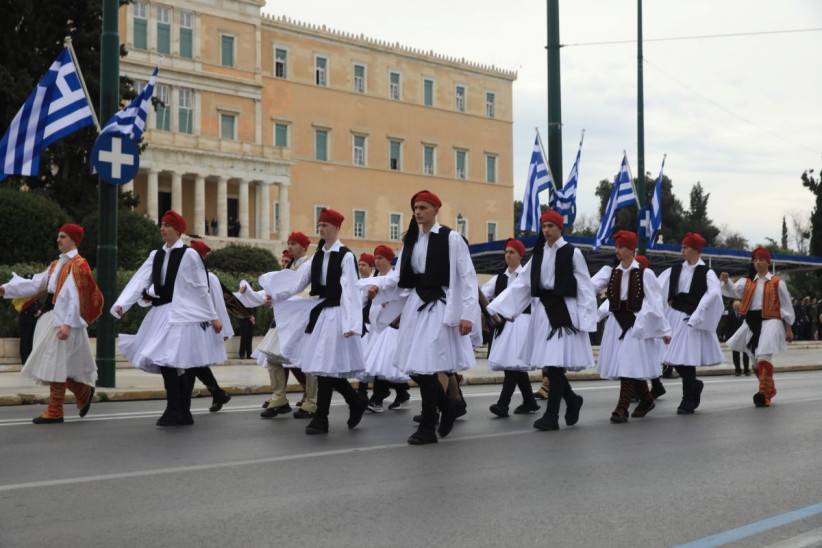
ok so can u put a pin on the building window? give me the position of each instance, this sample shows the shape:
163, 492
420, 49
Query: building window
394, 86
394, 226
461, 162
321, 71
359, 223
359, 78
321, 145
280, 63
490, 104
163, 30
186, 35
317, 211
227, 50
395, 151
280, 135
491, 230
462, 225
490, 168
428, 155
460, 94
277, 217
185, 111
163, 109
359, 150
140, 25
428, 92
228, 126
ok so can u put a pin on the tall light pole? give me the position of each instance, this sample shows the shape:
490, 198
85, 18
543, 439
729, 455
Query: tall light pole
554, 95
640, 130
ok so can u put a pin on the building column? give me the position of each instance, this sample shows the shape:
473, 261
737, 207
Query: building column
265, 210
177, 192
285, 214
222, 206
199, 204
151, 194
242, 206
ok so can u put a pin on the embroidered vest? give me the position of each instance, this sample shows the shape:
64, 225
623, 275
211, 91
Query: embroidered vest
770, 298
636, 291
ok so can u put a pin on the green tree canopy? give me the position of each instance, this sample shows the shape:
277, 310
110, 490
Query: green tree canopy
30, 224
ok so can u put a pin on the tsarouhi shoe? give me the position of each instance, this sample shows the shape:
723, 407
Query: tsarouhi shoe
499, 410
643, 408
271, 412
527, 408
572, 411
219, 399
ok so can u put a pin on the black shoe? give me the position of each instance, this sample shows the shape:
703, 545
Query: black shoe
737, 373
499, 410
685, 408
220, 398
698, 393
760, 400
318, 425
271, 412
461, 409
186, 420
46, 420
448, 416
527, 408
619, 416
657, 391
87, 406
747, 373
399, 404
303, 414
356, 411
547, 422
265, 404
643, 408
572, 410
423, 436
171, 418
418, 418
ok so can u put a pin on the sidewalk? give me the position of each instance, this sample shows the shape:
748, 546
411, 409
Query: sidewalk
246, 377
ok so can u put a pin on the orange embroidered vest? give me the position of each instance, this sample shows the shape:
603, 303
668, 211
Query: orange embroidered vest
91, 298
770, 298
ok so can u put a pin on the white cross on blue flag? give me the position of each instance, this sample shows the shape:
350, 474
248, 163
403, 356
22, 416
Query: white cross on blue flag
131, 121
622, 194
539, 179
56, 108
564, 200
656, 208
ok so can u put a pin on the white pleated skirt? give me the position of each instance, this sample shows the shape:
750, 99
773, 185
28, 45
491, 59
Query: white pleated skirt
53, 360
425, 345
771, 338
630, 357
325, 352
159, 343
506, 348
570, 351
378, 354
292, 318
691, 346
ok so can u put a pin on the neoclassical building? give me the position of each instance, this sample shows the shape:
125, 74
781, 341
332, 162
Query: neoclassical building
266, 121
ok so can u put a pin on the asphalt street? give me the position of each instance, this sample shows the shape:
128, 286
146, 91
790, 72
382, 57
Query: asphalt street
730, 471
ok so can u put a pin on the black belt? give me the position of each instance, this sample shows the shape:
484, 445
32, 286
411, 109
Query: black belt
557, 312
314, 315
624, 318
155, 301
682, 303
429, 295
49, 305
754, 320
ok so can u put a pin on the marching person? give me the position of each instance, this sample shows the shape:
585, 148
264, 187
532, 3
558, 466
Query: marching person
556, 284
182, 330
61, 355
440, 320
657, 388
636, 320
693, 307
365, 268
733, 322
766, 305
508, 339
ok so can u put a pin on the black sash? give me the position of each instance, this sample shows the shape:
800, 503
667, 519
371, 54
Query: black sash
624, 318
754, 320
49, 305
558, 314
331, 293
165, 288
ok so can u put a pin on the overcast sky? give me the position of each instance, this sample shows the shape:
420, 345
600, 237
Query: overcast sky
741, 114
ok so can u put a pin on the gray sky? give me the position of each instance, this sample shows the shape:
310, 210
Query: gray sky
739, 114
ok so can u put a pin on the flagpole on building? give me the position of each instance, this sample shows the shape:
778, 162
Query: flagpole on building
640, 123
67, 43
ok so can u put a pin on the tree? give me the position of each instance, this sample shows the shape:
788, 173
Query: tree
696, 218
815, 186
784, 232
242, 259
136, 237
800, 230
30, 224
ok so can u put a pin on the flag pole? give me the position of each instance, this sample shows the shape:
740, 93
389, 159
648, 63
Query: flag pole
547, 165
67, 43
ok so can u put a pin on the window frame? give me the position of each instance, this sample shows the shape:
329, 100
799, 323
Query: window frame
162, 112
392, 86
433, 92
143, 22
187, 36
488, 231
233, 116
463, 105
286, 126
233, 62
492, 177
433, 160
165, 27
354, 137
363, 227
457, 153
325, 70
364, 77
188, 109
391, 145
327, 144
284, 63
391, 236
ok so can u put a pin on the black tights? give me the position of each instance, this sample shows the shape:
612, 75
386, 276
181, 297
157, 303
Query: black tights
511, 381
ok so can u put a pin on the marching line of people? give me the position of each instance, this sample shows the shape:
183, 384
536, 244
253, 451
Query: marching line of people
419, 320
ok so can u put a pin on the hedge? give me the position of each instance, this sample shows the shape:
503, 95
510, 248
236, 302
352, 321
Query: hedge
30, 223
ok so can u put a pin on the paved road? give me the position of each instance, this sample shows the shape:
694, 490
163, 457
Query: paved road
236, 480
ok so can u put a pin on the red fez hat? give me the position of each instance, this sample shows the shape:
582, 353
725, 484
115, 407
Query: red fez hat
175, 220
761, 253
625, 238
518, 246
300, 238
694, 241
286, 256
200, 247
367, 258
385, 252
551, 216
426, 196
643, 260
331, 217
75, 232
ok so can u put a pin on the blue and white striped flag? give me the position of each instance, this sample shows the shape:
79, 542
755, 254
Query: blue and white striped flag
131, 121
56, 108
656, 208
622, 194
564, 201
539, 179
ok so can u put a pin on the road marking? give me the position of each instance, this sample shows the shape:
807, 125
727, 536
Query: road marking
755, 528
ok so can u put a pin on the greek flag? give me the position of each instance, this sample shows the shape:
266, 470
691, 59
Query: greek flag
622, 194
131, 121
656, 208
56, 108
539, 179
564, 201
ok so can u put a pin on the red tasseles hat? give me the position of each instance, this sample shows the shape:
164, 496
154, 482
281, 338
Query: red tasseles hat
694, 241
331, 217
367, 258
300, 238
200, 247
625, 238
175, 220
426, 196
643, 260
385, 252
75, 232
286, 256
553, 217
518, 246
761, 253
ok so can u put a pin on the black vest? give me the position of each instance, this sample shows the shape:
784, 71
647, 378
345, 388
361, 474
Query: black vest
565, 285
332, 290
437, 263
687, 302
164, 289
500, 286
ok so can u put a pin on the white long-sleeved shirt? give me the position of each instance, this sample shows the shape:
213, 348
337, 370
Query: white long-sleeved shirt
735, 290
